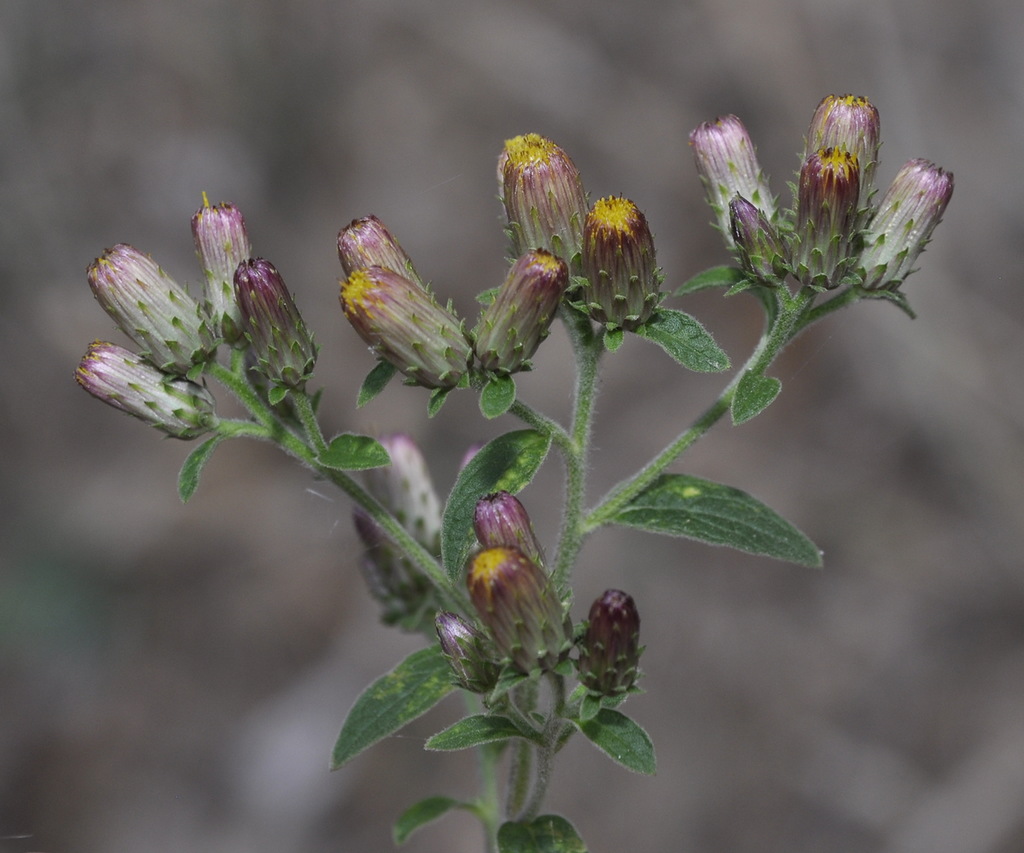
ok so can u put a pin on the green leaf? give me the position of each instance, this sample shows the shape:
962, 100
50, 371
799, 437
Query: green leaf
188, 477
498, 395
475, 730
621, 739
754, 393
681, 505
437, 398
549, 833
421, 813
375, 382
411, 689
686, 340
613, 339
351, 452
714, 277
507, 463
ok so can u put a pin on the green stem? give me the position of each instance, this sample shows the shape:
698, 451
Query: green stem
304, 409
553, 739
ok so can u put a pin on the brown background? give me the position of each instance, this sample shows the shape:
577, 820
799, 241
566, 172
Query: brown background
173, 677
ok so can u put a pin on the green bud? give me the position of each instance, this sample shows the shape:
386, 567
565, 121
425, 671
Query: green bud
610, 649
405, 488
222, 243
826, 217
467, 652
762, 253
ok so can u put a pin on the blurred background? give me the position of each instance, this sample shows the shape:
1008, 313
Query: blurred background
173, 677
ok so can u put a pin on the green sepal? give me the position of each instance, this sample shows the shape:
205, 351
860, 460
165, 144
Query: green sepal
437, 398
681, 505
754, 393
714, 277
486, 297
478, 729
589, 706
896, 297
686, 340
497, 396
421, 813
195, 372
508, 679
188, 477
375, 382
276, 394
622, 739
352, 452
411, 689
613, 339
549, 833
507, 463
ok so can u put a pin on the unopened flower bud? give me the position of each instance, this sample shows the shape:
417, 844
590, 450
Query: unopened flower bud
727, 164
848, 123
618, 261
542, 191
826, 217
366, 243
762, 253
610, 649
518, 603
903, 223
222, 243
123, 380
152, 309
405, 326
500, 521
283, 345
513, 325
467, 653
405, 488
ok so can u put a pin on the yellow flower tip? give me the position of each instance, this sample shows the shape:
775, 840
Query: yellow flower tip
548, 263
357, 291
530, 149
842, 163
615, 213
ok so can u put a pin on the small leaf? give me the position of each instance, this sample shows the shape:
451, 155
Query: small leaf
411, 689
375, 382
681, 505
351, 452
613, 339
714, 277
754, 393
686, 340
276, 394
475, 730
549, 833
497, 396
621, 739
507, 463
188, 477
421, 813
437, 398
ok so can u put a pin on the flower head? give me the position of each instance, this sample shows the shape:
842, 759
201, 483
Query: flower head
366, 243
848, 123
761, 251
826, 217
610, 649
500, 520
467, 652
405, 488
222, 243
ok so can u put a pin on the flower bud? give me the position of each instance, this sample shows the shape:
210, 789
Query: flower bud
500, 521
727, 164
404, 487
366, 243
405, 326
762, 253
222, 243
618, 261
542, 191
513, 325
903, 223
467, 653
826, 217
123, 380
152, 309
518, 603
610, 649
848, 123
283, 345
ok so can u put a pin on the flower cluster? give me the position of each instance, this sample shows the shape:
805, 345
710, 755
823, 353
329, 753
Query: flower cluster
835, 235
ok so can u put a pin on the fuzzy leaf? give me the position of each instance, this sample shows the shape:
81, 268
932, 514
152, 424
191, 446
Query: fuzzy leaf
375, 382
411, 689
686, 340
507, 463
436, 400
681, 505
351, 452
714, 277
621, 739
497, 396
549, 833
475, 730
422, 813
754, 393
188, 477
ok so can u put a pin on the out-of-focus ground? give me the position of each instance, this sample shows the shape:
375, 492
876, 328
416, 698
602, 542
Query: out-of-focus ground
173, 678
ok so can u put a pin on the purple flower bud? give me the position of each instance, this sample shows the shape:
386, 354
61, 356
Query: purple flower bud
826, 217
513, 325
123, 380
610, 649
542, 191
222, 243
152, 309
405, 326
404, 487
368, 243
727, 164
761, 251
467, 652
623, 282
517, 602
903, 223
848, 123
500, 521
284, 347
